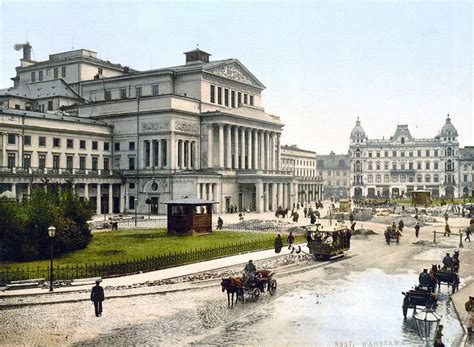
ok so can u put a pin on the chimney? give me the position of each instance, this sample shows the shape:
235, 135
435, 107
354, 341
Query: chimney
27, 51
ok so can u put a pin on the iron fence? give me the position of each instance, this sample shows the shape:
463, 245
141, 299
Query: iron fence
128, 267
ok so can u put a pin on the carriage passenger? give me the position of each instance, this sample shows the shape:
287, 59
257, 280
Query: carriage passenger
309, 237
448, 262
424, 278
250, 272
328, 239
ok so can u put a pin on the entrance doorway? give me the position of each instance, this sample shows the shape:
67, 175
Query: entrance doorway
241, 202
154, 205
227, 204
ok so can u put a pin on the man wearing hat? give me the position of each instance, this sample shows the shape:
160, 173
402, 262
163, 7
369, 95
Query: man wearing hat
448, 261
424, 278
250, 271
97, 296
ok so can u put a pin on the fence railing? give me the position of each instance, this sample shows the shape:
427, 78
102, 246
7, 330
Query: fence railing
134, 266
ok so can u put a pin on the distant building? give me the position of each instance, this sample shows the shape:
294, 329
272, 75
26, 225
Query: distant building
302, 164
333, 169
396, 166
466, 172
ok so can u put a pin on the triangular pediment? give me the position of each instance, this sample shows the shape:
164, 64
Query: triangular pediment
235, 71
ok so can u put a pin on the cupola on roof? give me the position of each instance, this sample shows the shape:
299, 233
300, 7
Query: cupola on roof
448, 128
358, 132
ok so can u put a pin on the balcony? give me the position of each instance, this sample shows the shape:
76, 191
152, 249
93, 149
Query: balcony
51, 172
403, 172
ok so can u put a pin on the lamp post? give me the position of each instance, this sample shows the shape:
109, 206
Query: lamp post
51, 233
427, 322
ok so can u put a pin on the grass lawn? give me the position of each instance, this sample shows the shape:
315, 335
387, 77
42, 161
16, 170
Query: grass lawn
126, 245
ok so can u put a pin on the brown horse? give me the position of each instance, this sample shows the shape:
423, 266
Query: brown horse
456, 261
231, 285
433, 276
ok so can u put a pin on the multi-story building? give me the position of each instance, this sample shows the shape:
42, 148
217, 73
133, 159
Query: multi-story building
334, 171
466, 172
302, 164
395, 166
195, 130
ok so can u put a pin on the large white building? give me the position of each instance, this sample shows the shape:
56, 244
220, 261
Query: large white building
466, 172
395, 166
196, 130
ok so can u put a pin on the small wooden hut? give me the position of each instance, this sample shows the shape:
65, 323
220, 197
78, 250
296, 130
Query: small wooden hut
421, 198
189, 216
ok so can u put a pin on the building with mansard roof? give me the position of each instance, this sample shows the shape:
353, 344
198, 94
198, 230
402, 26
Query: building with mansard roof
396, 166
333, 169
193, 130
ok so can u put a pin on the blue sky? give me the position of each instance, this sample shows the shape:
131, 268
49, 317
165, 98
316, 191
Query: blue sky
322, 63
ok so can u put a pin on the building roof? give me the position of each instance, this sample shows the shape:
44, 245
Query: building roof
402, 131
297, 149
448, 128
358, 132
467, 153
189, 201
43, 89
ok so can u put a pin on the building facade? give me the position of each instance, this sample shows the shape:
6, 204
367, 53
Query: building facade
193, 130
466, 172
333, 169
396, 166
302, 164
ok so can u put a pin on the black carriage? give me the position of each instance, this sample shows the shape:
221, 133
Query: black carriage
391, 234
263, 281
420, 296
281, 213
328, 244
449, 277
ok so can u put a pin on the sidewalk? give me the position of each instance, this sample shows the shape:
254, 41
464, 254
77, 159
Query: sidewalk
168, 273
459, 299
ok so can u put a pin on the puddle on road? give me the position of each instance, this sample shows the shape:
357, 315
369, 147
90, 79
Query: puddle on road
363, 308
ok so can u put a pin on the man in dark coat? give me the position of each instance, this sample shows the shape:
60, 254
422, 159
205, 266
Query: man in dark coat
290, 240
278, 244
97, 296
401, 225
417, 229
448, 261
424, 278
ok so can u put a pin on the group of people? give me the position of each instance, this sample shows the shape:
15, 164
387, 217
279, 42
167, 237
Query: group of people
394, 231
279, 242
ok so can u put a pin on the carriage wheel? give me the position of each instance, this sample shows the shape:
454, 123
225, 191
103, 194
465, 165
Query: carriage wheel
272, 287
255, 294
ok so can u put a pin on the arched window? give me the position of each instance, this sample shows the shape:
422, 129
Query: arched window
402, 140
358, 166
357, 153
427, 178
449, 165
449, 152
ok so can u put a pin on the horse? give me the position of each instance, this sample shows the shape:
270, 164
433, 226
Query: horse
456, 261
229, 285
433, 276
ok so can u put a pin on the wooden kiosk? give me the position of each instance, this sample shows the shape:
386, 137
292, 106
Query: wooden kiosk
189, 216
421, 198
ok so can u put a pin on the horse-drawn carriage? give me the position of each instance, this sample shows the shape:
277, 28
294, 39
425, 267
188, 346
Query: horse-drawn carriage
328, 244
249, 287
420, 296
280, 212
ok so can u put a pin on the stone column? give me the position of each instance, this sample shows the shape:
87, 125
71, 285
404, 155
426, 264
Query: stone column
291, 191
159, 155
221, 145
171, 149
181, 164
210, 148
228, 144
122, 198
4, 150
285, 195
262, 150
256, 146
13, 187
111, 200
218, 197
265, 197
98, 199
190, 158
250, 149
86, 191
274, 196
278, 154
152, 151
267, 151
280, 196
236, 148
208, 191
242, 148
259, 197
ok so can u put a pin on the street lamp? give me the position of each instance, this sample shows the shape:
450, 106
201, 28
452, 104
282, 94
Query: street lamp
427, 322
51, 233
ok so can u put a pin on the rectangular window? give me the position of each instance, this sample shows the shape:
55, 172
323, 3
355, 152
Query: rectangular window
108, 95
94, 145
385, 165
418, 166
117, 146
394, 154
131, 146
69, 163
418, 153
17, 107
402, 154
33, 76
427, 152
27, 140
219, 95
106, 146
26, 161
427, 165
70, 143
131, 202
436, 165
63, 71
131, 185
226, 97
251, 100
41, 161
100, 71
11, 139
82, 163
213, 93
56, 162
131, 163
245, 99
50, 105
95, 161
82, 144
40, 75
435, 152
123, 93
106, 164
154, 90
410, 166
56, 72
138, 92
56, 142
11, 160
232, 98
378, 154
370, 154
410, 154
239, 99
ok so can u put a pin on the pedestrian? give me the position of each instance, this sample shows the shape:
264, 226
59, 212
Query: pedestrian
296, 216
468, 234
290, 240
353, 225
351, 217
438, 337
447, 230
231, 209
97, 296
220, 223
298, 206
401, 225
398, 234
446, 217
417, 229
312, 218
278, 244
305, 212
241, 216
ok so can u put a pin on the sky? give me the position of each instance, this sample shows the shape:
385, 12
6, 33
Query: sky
323, 63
